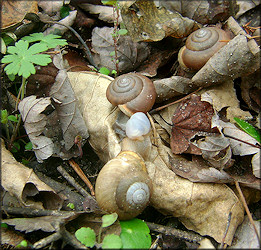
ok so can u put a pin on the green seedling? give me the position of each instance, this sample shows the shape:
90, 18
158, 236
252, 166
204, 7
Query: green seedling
248, 128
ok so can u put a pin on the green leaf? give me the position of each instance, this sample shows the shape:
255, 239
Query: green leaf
23, 243
28, 146
15, 147
70, 205
51, 40
114, 72
104, 70
111, 241
122, 32
135, 234
64, 11
22, 59
12, 118
4, 116
112, 53
109, 219
109, 2
86, 236
4, 225
248, 128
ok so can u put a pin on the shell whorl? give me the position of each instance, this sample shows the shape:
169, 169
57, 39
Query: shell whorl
118, 180
200, 46
133, 93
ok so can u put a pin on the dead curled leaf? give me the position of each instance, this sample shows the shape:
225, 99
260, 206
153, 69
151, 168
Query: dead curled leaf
145, 22
202, 207
192, 118
24, 184
34, 122
130, 54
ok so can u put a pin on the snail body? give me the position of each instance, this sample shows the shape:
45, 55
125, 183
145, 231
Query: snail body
132, 92
123, 186
200, 46
137, 126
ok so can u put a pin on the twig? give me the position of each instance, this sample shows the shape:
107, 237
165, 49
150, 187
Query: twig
188, 236
71, 180
247, 209
115, 39
36, 212
47, 240
225, 234
87, 50
237, 139
79, 171
153, 111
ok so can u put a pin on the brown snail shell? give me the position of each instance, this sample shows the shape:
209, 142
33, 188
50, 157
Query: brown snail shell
123, 186
200, 46
132, 92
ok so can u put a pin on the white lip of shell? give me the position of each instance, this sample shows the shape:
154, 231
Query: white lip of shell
138, 194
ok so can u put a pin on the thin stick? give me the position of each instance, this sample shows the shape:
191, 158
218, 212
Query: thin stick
153, 111
225, 234
237, 139
87, 51
47, 240
188, 236
81, 174
247, 209
71, 180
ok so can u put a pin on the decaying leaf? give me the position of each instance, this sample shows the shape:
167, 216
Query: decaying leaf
238, 57
105, 12
145, 22
192, 118
245, 236
202, 207
251, 90
70, 118
204, 12
50, 7
256, 164
223, 96
24, 184
59, 29
170, 87
34, 122
130, 54
44, 223
197, 170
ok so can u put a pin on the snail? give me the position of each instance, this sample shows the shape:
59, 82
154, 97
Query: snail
123, 186
132, 92
137, 126
200, 46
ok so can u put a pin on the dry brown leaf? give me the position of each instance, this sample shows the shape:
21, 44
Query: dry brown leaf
224, 96
238, 57
59, 29
172, 195
197, 170
105, 12
204, 12
13, 12
145, 22
70, 118
34, 122
167, 88
24, 184
192, 118
245, 237
50, 7
44, 223
130, 54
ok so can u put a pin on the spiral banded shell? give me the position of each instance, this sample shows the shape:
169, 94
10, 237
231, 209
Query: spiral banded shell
200, 46
123, 186
132, 92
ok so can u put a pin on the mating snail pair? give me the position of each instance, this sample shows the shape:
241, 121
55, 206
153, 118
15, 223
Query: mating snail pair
123, 185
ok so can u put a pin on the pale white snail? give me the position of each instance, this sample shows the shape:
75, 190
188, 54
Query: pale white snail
132, 93
123, 186
137, 126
